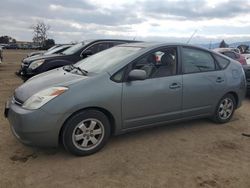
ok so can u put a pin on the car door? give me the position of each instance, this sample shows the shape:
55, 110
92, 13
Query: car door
158, 98
202, 82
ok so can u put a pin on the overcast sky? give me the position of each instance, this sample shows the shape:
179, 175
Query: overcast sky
169, 20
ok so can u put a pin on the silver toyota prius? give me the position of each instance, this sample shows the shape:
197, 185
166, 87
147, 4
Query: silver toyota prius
121, 89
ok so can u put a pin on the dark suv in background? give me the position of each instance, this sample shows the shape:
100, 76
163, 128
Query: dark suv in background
35, 65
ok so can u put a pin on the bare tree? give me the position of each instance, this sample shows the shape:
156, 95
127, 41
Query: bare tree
40, 31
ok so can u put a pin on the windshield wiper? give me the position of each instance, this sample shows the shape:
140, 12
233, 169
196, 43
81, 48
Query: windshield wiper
84, 72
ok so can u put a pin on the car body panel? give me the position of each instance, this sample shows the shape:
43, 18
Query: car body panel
231, 53
204, 88
130, 104
32, 127
56, 77
151, 95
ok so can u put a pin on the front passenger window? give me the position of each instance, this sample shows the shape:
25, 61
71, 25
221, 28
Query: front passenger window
160, 63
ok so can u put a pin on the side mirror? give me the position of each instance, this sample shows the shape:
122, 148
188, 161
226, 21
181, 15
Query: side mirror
86, 53
137, 74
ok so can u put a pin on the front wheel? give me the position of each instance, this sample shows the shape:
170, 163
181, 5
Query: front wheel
86, 132
225, 109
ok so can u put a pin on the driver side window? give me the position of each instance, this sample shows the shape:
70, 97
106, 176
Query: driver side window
98, 47
160, 63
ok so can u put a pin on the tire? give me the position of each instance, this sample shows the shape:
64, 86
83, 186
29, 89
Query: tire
86, 132
224, 111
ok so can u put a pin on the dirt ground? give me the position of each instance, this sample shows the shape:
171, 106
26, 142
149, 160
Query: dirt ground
189, 154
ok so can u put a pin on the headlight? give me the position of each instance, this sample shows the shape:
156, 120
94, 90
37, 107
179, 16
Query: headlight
36, 64
42, 97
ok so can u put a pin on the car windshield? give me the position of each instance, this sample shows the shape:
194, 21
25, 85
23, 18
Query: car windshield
75, 48
54, 50
106, 59
53, 47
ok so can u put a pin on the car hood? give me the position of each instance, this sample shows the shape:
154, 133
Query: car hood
35, 58
56, 77
34, 53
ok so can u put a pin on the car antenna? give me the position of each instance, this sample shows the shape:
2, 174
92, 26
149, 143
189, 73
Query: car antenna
195, 31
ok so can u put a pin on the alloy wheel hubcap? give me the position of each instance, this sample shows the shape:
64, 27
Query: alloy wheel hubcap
88, 134
226, 108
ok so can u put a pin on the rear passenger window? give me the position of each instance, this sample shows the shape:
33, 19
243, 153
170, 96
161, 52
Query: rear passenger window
222, 61
194, 60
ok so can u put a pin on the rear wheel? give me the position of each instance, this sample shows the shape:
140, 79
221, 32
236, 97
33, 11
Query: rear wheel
225, 109
86, 132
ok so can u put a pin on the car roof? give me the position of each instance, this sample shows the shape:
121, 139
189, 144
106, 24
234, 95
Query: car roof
161, 44
112, 40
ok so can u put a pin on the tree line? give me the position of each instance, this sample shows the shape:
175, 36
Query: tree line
40, 36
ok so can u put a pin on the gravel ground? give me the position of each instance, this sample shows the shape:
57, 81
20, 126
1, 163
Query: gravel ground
189, 154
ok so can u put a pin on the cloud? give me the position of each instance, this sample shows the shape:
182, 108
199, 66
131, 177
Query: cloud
105, 16
194, 10
169, 20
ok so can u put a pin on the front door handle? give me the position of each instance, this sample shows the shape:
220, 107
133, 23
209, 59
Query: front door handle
175, 86
219, 80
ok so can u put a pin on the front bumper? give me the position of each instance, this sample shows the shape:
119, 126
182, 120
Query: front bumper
33, 127
25, 71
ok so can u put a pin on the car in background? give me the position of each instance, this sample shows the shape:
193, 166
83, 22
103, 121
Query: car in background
121, 89
12, 46
248, 60
237, 50
3, 46
58, 49
38, 64
232, 54
55, 50
40, 52
246, 54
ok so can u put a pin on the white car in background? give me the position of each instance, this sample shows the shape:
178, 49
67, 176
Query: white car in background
248, 59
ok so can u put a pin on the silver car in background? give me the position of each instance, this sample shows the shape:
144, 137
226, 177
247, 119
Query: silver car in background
121, 89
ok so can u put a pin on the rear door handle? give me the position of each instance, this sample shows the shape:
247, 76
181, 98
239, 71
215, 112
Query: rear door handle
219, 80
175, 86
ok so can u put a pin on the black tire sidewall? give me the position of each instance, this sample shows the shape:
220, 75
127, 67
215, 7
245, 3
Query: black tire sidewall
74, 121
217, 118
